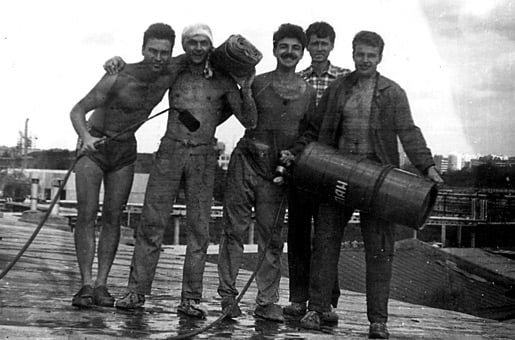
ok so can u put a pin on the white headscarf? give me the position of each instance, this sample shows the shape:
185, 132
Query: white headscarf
197, 29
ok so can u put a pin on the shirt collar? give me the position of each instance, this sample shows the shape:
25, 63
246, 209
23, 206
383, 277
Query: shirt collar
331, 70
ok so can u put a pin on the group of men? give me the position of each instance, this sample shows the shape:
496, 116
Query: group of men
358, 112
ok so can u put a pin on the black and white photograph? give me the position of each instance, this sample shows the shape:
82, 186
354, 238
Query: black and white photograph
257, 170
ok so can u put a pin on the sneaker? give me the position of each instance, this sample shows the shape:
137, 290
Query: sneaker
102, 297
270, 312
329, 317
378, 330
192, 308
295, 309
230, 302
131, 300
311, 320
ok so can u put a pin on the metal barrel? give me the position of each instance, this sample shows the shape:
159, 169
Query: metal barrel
387, 192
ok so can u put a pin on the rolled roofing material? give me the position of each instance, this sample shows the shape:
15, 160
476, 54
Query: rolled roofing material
237, 56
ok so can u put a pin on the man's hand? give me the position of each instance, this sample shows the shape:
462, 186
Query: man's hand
433, 175
114, 65
286, 157
90, 143
246, 81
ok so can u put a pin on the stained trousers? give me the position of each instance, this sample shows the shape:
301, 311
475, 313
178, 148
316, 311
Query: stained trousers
245, 190
195, 165
378, 238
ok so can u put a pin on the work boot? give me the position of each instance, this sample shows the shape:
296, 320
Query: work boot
311, 320
193, 308
329, 317
230, 302
378, 330
295, 309
131, 300
270, 312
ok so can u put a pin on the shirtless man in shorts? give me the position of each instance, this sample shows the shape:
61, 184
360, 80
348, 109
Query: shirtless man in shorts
119, 101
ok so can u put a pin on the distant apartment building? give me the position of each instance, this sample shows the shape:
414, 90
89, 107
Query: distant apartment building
441, 163
453, 162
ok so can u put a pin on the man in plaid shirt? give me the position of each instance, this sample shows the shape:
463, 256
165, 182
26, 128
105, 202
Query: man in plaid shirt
301, 207
321, 72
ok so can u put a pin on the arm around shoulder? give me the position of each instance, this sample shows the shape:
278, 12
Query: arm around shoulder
114, 65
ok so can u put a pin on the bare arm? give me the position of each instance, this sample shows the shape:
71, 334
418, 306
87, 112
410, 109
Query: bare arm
116, 64
94, 99
310, 125
308, 131
247, 112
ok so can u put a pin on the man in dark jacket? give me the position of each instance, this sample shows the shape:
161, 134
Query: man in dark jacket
362, 114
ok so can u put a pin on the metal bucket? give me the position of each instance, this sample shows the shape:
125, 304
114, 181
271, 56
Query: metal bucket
389, 193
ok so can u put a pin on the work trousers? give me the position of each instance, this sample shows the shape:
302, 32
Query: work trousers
302, 210
246, 189
195, 165
378, 238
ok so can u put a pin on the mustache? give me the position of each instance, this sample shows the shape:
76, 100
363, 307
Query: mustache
289, 55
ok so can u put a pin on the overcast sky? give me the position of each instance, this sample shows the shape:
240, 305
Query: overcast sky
454, 58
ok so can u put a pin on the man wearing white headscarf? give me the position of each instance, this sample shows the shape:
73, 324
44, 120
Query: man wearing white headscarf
198, 40
191, 157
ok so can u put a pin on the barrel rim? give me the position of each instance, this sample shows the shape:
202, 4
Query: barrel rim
428, 204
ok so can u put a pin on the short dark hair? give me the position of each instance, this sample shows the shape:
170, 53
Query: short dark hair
290, 31
368, 38
322, 30
159, 31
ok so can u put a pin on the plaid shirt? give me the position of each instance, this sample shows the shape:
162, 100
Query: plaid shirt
320, 83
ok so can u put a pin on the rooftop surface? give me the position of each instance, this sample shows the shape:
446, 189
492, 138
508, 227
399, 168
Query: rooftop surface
35, 301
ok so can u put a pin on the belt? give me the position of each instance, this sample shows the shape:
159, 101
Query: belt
190, 143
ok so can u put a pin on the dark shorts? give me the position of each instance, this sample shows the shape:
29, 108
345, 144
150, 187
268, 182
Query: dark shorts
114, 155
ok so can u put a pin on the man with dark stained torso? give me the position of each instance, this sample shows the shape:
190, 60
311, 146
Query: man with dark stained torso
282, 98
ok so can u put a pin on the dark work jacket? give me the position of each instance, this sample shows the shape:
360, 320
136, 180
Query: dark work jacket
390, 117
